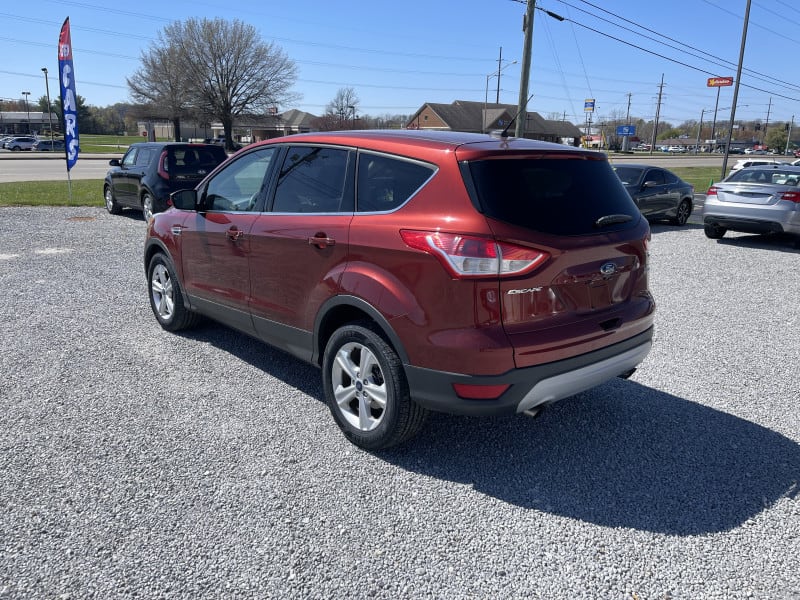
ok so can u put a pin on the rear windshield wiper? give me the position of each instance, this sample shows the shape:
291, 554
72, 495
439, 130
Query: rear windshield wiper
612, 220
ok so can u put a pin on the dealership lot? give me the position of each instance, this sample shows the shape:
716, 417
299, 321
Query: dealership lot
137, 462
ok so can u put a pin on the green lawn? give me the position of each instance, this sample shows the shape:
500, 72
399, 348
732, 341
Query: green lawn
699, 177
85, 192
112, 144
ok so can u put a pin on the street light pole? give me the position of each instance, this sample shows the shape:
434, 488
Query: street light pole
486, 96
49, 111
27, 109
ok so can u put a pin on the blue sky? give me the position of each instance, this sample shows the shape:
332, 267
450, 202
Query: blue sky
396, 56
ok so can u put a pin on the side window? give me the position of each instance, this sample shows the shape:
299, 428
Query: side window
386, 182
238, 187
313, 179
655, 175
144, 156
130, 157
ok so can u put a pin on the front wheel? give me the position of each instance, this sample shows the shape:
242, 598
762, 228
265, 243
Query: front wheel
366, 389
715, 232
111, 202
683, 213
148, 206
166, 298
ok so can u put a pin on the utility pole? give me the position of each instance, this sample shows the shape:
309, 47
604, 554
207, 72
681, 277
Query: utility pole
766, 123
736, 86
658, 113
527, 27
789, 136
627, 122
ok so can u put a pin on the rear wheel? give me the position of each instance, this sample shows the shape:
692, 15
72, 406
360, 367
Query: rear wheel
366, 389
715, 232
166, 298
148, 206
683, 213
111, 202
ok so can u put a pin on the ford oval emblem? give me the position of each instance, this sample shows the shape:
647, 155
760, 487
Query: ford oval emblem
608, 269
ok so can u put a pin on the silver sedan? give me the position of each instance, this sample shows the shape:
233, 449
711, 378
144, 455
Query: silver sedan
763, 199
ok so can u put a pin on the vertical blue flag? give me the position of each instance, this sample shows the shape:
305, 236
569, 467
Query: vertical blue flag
69, 99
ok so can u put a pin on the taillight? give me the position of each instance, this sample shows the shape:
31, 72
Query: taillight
472, 256
163, 167
712, 191
791, 196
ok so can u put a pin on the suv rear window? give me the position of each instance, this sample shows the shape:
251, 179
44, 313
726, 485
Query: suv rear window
557, 196
187, 162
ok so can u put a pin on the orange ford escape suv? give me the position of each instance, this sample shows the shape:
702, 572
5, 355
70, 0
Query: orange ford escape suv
419, 270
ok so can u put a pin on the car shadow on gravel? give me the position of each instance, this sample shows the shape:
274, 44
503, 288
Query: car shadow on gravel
780, 242
619, 455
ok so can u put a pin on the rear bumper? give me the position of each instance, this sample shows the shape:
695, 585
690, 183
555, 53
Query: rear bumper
743, 225
783, 217
531, 386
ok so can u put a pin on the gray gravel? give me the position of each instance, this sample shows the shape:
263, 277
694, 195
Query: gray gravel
137, 463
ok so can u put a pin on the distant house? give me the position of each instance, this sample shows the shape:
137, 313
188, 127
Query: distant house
477, 117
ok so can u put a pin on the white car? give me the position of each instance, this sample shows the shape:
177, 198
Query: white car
20, 143
756, 162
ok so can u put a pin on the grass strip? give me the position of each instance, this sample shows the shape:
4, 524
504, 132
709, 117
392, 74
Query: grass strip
85, 192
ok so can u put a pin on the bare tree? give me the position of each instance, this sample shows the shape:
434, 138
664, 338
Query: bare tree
230, 71
340, 113
161, 81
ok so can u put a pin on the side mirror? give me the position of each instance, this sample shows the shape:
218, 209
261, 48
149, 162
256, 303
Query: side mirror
184, 199
649, 184
114, 162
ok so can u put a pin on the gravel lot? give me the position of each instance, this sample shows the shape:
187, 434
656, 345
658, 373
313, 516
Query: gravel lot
137, 463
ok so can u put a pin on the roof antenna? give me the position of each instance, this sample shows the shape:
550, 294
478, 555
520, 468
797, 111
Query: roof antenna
504, 133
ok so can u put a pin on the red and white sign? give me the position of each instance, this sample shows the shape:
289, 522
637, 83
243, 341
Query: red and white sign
719, 81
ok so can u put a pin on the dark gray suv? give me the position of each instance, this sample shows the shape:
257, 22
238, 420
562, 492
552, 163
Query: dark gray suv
150, 171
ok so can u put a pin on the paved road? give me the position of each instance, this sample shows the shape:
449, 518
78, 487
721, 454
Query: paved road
138, 463
18, 166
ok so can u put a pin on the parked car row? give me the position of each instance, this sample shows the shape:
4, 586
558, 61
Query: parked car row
29, 142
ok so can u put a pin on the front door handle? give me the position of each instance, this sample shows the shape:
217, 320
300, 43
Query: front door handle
321, 241
234, 234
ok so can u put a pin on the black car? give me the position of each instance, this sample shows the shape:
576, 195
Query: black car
659, 193
150, 171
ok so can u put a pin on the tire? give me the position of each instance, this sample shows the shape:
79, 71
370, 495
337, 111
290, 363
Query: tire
715, 232
683, 213
16, 149
148, 206
166, 297
111, 202
366, 389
